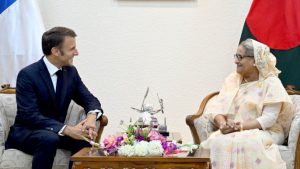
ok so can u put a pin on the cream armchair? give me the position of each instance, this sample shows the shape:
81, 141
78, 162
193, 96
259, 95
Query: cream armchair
15, 159
201, 127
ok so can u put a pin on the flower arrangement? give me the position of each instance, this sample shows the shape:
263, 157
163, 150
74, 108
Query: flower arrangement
137, 141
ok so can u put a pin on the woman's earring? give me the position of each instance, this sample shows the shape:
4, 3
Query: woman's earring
254, 64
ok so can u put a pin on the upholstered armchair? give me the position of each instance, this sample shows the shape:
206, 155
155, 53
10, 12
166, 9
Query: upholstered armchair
15, 159
201, 127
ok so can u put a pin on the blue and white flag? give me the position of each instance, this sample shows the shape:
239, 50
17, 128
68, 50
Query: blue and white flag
21, 29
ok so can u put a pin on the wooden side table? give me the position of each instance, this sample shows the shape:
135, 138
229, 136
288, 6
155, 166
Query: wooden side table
88, 158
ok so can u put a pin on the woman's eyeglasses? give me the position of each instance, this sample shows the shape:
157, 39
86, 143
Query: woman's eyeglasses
240, 57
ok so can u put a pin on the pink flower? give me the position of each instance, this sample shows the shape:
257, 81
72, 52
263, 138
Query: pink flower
110, 141
135, 136
170, 148
125, 139
155, 135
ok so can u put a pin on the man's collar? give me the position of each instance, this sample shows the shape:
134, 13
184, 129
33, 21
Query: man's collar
52, 69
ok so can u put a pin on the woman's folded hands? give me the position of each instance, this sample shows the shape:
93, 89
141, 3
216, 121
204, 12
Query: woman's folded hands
230, 126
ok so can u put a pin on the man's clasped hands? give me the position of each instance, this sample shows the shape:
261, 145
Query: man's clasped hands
86, 128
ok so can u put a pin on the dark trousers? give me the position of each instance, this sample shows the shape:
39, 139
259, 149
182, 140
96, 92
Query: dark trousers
42, 144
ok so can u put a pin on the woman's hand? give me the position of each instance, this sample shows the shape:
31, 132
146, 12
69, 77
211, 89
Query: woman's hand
226, 129
235, 125
225, 125
230, 126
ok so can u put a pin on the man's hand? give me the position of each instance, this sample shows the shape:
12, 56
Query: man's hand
90, 126
76, 132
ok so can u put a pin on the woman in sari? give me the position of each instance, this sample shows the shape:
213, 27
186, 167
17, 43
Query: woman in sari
253, 113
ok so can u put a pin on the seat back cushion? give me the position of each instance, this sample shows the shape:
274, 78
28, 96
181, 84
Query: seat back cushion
295, 126
203, 125
8, 109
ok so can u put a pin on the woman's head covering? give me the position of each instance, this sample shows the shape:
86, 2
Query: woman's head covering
265, 61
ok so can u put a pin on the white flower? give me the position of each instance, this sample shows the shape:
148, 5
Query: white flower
188, 147
194, 146
140, 148
185, 148
126, 150
155, 148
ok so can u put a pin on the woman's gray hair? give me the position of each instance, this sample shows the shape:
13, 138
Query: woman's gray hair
248, 46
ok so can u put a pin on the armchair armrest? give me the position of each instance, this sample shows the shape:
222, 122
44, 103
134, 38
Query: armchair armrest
103, 123
6, 89
190, 118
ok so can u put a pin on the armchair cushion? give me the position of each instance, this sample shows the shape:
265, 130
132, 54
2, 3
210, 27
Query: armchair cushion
8, 109
287, 156
288, 152
15, 159
3, 127
77, 115
204, 127
295, 126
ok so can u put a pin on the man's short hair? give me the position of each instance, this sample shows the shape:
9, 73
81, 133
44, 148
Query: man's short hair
55, 37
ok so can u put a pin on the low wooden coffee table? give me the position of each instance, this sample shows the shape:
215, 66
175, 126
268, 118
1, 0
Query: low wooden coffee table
88, 158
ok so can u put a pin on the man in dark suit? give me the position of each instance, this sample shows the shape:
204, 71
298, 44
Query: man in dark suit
44, 91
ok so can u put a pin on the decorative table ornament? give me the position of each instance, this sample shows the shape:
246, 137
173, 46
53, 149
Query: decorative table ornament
147, 117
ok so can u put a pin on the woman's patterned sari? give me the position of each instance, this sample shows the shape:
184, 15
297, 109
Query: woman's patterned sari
250, 149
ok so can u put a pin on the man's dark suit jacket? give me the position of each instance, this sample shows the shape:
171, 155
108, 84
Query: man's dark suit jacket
36, 105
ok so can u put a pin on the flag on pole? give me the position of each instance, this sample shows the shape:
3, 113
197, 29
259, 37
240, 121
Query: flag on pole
276, 23
21, 29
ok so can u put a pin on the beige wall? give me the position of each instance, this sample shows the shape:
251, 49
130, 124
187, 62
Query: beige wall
181, 49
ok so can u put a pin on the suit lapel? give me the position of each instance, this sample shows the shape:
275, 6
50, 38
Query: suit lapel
44, 73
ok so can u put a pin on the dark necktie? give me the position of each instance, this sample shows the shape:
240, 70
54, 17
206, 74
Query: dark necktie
58, 85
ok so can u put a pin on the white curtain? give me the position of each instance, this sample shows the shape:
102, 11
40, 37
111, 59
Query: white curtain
21, 29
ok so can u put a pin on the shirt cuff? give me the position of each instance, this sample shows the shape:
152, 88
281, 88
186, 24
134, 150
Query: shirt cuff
62, 130
261, 122
98, 112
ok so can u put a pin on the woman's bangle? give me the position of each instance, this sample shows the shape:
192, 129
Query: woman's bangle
241, 127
